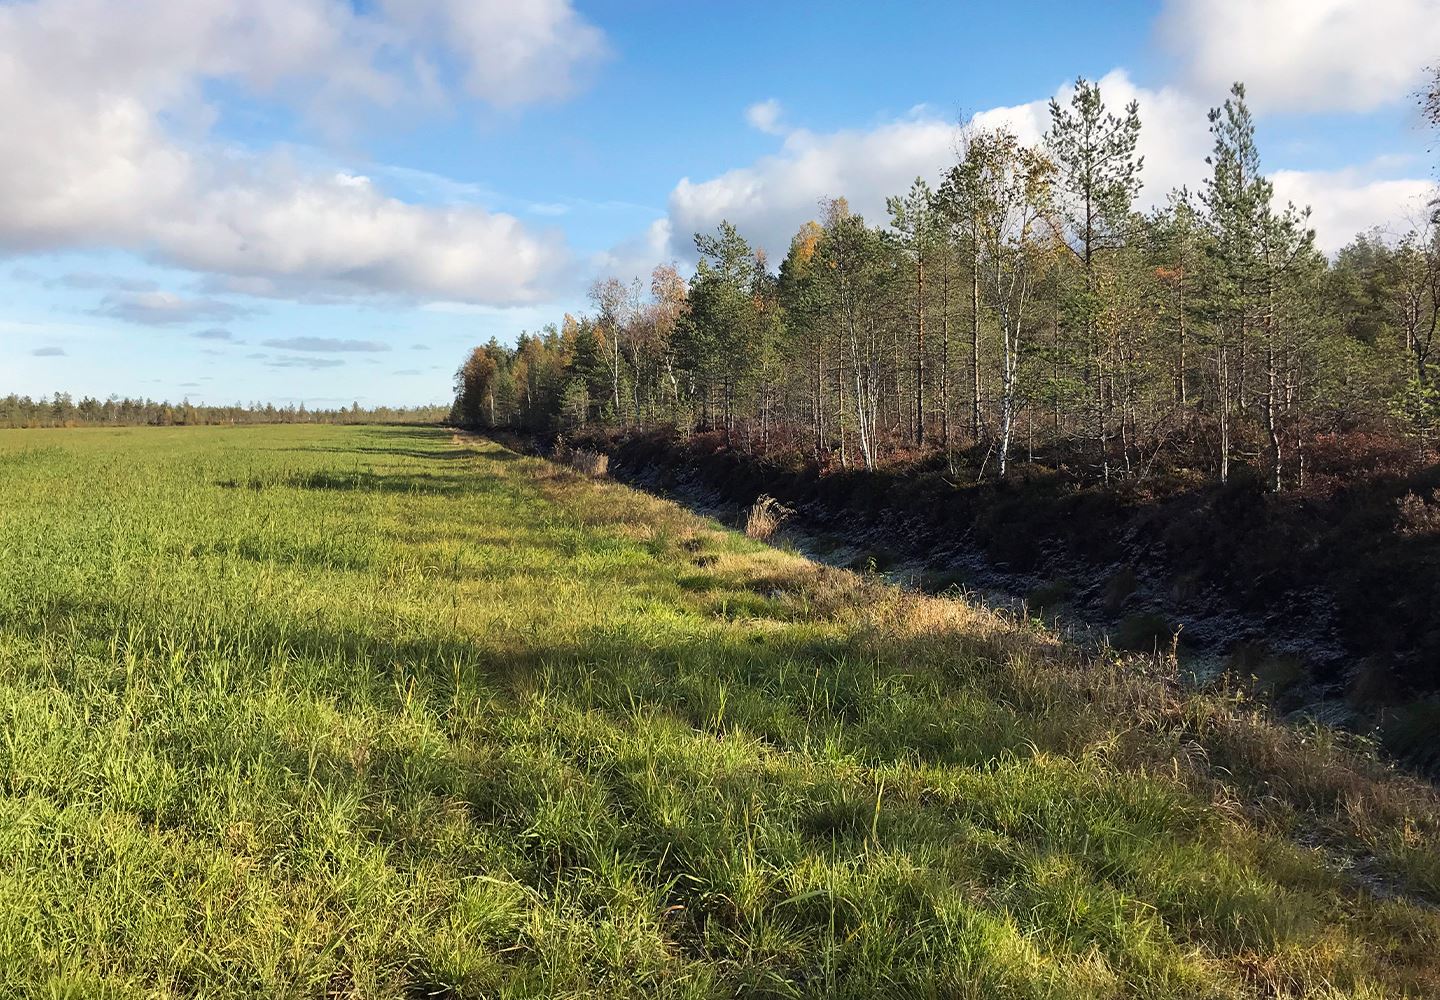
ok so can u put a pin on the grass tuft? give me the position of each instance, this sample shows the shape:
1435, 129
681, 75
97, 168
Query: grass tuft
765, 517
589, 463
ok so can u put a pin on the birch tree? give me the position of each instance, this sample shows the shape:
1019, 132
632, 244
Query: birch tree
1014, 189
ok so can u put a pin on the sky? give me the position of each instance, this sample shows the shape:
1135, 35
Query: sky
333, 200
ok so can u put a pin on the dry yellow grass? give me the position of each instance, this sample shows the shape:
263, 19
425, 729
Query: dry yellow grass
765, 517
590, 463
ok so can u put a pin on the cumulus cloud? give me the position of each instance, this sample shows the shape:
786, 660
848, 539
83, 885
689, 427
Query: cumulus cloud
1346, 202
769, 199
637, 257
158, 308
509, 53
1305, 55
326, 345
49, 352
109, 102
214, 333
764, 116
1174, 131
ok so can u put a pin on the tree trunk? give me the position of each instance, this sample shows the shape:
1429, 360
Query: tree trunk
975, 343
1182, 394
1272, 420
919, 351
945, 360
1222, 381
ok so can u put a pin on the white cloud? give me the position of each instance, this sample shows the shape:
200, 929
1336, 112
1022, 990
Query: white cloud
1174, 131
764, 116
1305, 55
1346, 202
512, 53
638, 256
327, 234
104, 105
769, 199
515, 317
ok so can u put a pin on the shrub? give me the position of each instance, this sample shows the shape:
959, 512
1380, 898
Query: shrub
1273, 673
1119, 588
1417, 516
1144, 633
1051, 595
1409, 733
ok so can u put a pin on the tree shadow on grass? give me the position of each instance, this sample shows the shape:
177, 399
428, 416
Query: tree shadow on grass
332, 555
391, 433
398, 482
446, 455
634, 723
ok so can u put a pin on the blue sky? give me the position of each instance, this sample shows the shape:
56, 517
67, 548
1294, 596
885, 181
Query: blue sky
284, 200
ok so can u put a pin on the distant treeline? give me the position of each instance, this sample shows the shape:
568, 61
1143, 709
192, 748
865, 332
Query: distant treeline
1020, 308
61, 410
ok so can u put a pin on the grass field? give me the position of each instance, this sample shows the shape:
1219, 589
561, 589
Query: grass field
377, 712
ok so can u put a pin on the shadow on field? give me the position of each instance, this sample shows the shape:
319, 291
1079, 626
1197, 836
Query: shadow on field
332, 554
437, 435
386, 443
619, 751
779, 691
397, 482
431, 434
447, 455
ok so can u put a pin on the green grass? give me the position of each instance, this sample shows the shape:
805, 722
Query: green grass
375, 712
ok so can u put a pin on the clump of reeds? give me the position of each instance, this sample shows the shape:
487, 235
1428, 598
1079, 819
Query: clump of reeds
765, 517
590, 463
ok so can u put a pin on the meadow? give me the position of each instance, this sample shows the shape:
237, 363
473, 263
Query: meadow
306, 711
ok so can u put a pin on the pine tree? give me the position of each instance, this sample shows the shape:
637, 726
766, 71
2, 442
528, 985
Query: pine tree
914, 221
1099, 178
1235, 196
